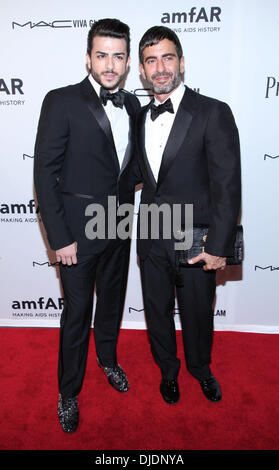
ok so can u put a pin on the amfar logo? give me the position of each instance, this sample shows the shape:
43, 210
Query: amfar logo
271, 268
40, 304
266, 156
19, 208
208, 15
272, 87
40, 308
12, 87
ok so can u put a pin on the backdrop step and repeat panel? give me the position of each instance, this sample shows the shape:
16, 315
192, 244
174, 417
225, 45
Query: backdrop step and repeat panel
230, 51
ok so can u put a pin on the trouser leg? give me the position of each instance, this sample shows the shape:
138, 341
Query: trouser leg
158, 295
111, 281
78, 286
195, 301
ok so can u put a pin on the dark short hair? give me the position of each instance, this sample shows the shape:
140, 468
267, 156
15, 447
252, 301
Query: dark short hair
109, 27
156, 34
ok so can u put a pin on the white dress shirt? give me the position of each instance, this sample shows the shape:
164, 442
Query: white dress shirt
157, 132
119, 122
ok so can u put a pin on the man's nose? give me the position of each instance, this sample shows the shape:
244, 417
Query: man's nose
110, 62
161, 65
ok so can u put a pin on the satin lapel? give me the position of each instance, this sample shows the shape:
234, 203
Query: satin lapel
141, 140
130, 110
177, 135
128, 151
98, 112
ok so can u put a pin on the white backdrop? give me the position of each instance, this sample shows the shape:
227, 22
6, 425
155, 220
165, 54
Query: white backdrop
231, 55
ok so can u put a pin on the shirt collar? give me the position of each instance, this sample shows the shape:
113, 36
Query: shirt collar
176, 97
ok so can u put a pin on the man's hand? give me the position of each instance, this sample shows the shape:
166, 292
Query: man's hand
68, 254
211, 262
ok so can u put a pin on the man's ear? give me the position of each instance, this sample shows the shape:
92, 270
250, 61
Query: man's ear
88, 61
142, 71
182, 65
128, 62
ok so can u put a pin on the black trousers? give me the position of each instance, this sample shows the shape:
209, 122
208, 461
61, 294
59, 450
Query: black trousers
195, 298
107, 271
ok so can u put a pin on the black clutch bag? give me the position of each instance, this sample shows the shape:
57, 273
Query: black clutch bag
199, 241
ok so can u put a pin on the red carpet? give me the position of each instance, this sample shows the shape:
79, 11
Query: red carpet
247, 366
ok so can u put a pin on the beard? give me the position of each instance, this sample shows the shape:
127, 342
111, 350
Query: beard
112, 86
163, 90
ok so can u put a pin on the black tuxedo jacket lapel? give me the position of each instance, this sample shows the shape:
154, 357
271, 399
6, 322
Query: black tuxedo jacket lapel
179, 131
177, 135
141, 140
131, 112
95, 106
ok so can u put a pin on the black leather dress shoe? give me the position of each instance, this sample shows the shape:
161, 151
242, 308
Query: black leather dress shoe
68, 413
116, 377
170, 391
211, 389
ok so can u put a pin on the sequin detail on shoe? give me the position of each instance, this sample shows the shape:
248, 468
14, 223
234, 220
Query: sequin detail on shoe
68, 413
116, 377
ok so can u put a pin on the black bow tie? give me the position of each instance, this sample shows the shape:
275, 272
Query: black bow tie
157, 110
116, 98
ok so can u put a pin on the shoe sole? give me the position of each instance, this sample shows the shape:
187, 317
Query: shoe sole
170, 402
213, 400
68, 431
117, 389
111, 382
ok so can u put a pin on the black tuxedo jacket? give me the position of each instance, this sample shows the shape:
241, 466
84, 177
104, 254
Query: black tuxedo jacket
76, 162
200, 166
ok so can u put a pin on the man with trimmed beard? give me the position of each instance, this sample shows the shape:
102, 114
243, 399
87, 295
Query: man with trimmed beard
83, 145
188, 153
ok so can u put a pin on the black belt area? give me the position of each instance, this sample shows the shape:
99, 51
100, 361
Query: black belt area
85, 196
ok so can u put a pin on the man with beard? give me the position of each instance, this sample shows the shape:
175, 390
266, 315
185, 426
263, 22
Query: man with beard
189, 153
83, 145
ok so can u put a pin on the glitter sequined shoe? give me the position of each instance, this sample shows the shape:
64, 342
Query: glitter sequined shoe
68, 413
116, 377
